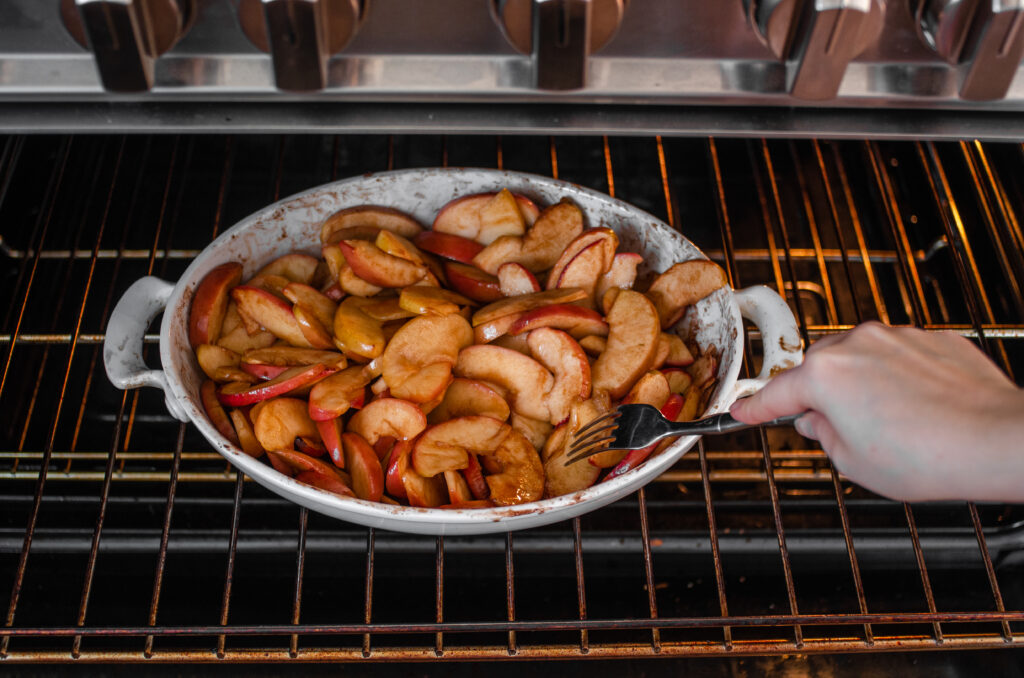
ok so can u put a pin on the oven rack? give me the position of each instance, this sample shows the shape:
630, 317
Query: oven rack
123, 536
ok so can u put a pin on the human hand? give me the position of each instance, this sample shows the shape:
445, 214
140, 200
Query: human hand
909, 414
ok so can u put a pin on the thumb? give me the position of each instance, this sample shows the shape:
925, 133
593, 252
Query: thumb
784, 394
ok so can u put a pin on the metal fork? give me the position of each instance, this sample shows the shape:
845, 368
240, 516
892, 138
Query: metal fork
634, 427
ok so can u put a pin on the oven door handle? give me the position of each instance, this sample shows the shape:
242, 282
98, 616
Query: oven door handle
126, 331
780, 337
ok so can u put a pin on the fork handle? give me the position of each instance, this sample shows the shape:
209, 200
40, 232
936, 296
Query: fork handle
725, 423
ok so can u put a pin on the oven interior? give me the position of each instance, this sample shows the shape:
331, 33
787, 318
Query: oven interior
123, 536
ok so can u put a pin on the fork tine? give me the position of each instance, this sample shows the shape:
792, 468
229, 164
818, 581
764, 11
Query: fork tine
588, 450
578, 440
582, 432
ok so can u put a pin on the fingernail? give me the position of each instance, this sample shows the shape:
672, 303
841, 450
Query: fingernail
737, 407
804, 427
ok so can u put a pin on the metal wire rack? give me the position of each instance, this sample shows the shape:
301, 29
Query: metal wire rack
123, 536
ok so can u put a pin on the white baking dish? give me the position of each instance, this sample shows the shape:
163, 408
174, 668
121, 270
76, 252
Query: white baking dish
294, 224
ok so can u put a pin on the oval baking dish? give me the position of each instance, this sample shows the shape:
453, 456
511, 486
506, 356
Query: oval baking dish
293, 224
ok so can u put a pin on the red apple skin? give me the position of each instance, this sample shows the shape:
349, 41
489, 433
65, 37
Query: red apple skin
264, 372
331, 432
671, 409
472, 282
218, 417
449, 246
578, 321
379, 268
210, 303
322, 481
474, 476
363, 464
276, 387
311, 447
397, 465
269, 311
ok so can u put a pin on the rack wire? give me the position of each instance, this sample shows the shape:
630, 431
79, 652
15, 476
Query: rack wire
123, 536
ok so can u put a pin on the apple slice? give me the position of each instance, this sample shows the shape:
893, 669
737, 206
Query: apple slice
313, 448
542, 245
364, 466
472, 282
527, 302
422, 300
288, 381
397, 246
290, 356
559, 353
309, 470
449, 246
484, 217
397, 463
682, 285
475, 504
296, 267
633, 336
560, 478
622, 273
210, 303
651, 389
333, 396
348, 282
281, 421
388, 417
678, 379
691, 403
474, 475
246, 436
218, 417
264, 372
517, 343
535, 430
678, 353
516, 279
704, 369
446, 446
368, 216
383, 309
213, 359
584, 271
355, 332
235, 337
315, 334
670, 409
520, 479
661, 352
320, 305
458, 489
465, 397
608, 300
334, 292
330, 432
322, 481
578, 321
527, 381
417, 361
272, 313
605, 237
379, 268
494, 329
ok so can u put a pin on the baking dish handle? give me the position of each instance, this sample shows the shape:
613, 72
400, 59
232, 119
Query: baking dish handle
122, 347
780, 337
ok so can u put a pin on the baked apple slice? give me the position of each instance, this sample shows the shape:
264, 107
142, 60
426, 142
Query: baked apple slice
291, 380
364, 467
367, 217
246, 436
472, 282
485, 217
310, 471
388, 417
516, 279
330, 433
313, 331
633, 335
218, 416
422, 300
269, 312
320, 305
290, 356
355, 332
684, 284
417, 363
604, 254
584, 271
578, 321
210, 303
379, 268
235, 337
560, 354
527, 302
295, 267
217, 363
449, 246
526, 380
542, 245
281, 421
335, 395
465, 397
678, 379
